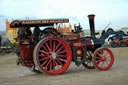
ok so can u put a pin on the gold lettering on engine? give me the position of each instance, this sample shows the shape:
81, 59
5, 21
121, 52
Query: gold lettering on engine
44, 21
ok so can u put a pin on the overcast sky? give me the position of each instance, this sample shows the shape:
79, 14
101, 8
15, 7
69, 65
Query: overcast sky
114, 11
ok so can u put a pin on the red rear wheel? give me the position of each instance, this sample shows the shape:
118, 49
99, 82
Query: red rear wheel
103, 58
88, 62
52, 55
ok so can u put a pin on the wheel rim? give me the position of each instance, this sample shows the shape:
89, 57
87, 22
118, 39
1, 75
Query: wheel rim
53, 55
127, 42
113, 44
103, 59
122, 44
88, 62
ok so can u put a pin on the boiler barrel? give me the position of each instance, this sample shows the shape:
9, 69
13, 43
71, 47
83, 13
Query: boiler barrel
91, 44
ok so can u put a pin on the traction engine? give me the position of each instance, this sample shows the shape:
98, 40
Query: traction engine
51, 50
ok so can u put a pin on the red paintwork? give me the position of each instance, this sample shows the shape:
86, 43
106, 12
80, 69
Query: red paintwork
77, 44
30, 37
25, 53
45, 36
116, 41
88, 43
72, 37
125, 40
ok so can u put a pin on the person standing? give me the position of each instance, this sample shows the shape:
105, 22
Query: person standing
36, 34
21, 33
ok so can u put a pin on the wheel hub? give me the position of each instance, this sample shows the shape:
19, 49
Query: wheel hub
53, 55
103, 59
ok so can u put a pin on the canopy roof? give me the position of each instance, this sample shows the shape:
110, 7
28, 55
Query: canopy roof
40, 22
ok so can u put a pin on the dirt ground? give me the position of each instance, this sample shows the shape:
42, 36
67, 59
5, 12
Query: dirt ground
11, 74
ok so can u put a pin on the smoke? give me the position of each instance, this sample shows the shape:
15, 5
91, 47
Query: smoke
73, 18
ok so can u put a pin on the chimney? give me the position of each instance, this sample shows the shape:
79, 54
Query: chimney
91, 23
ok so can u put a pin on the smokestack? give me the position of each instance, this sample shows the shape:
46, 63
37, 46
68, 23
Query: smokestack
91, 23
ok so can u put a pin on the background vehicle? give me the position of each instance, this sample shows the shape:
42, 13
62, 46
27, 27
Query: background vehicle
119, 40
5, 45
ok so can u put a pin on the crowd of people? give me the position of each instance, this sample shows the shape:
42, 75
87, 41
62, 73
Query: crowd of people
24, 32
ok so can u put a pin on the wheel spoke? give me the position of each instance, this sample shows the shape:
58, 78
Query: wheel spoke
47, 46
44, 62
57, 46
44, 58
89, 53
106, 63
50, 66
62, 59
51, 44
61, 55
43, 52
54, 46
53, 65
41, 55
107, 58
98, 54
44, 48
97, 57
58, 61
105, 54
59, 49
102, 64
48, 63
90, 63
87, 61
57, 65
98, 61
62, 52
101, 52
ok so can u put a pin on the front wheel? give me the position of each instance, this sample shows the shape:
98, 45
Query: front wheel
103, 58
52, 55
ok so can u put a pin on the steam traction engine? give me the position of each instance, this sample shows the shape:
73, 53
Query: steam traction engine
51, 50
